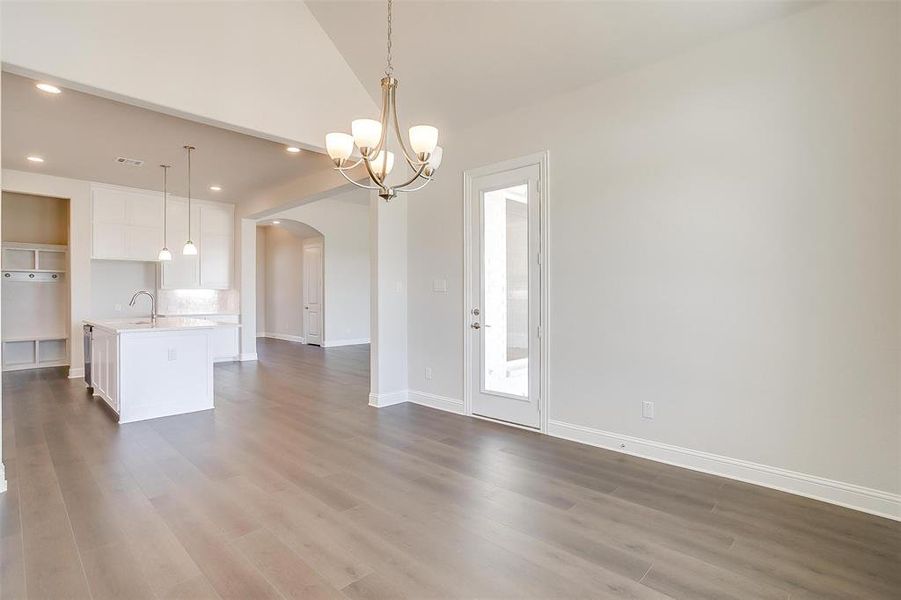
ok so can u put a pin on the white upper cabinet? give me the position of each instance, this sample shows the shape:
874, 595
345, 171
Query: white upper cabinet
212, 231
127, 224
217, 241
182, 272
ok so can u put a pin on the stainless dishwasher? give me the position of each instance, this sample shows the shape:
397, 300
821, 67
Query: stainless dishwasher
88, 342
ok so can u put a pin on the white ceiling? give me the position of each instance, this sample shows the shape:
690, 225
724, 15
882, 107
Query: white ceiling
80, 135
459, 62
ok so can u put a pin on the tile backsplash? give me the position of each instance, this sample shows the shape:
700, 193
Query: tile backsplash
198, 302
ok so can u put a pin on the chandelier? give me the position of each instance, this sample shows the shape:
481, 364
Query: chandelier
371, 138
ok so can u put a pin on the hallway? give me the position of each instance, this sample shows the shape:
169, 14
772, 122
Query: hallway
294, 487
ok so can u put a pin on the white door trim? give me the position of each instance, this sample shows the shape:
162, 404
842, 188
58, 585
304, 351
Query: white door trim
542, 160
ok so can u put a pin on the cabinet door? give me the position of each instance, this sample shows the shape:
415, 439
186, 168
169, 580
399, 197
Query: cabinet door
107, 206
225, 343
127, 224
217, 242
143, 243
182, 272
108, 240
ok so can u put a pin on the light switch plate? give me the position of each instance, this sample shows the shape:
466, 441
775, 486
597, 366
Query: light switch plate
173, 354
439, 286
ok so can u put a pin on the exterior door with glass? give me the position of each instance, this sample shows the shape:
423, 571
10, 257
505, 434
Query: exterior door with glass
504, 309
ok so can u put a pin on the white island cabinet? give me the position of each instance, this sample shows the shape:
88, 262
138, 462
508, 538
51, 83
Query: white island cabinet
147, 370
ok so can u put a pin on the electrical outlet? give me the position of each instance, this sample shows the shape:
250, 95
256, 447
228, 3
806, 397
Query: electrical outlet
647, 410
428, 372
173, 354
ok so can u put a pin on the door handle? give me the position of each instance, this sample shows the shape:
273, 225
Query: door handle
476, 325
306, 308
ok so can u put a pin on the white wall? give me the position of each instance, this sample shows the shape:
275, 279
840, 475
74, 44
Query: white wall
198, 59
261, 280
724, 242
343, 221
113, 282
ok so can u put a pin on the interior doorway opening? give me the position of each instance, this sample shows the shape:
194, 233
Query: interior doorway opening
290, 269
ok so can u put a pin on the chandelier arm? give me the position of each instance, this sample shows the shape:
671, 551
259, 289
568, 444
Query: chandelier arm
383, 139
359, 185
378, 181
416, 176
349, 167
414, 164
428, 180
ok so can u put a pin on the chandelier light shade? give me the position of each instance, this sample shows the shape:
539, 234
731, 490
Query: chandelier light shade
339, 145
164, 254
189, 249
370, 136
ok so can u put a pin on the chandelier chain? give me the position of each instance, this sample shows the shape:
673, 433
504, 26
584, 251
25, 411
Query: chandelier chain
389, 68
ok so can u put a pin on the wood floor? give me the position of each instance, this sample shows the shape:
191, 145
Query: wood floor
294, 487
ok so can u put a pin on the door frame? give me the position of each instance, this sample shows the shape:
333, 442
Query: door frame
542, 160
320, 243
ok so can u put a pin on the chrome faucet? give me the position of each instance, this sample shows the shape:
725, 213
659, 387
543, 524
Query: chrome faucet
152, 303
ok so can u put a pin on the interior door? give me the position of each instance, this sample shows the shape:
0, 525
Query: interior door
504, 308
312, 292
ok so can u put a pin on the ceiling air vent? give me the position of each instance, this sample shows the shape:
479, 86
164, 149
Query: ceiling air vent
131, 162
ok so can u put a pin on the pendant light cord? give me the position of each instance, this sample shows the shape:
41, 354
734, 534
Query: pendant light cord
389, 68
165, 205
189, 148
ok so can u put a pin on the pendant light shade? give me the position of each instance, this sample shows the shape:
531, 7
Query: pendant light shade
164, 254
190, 249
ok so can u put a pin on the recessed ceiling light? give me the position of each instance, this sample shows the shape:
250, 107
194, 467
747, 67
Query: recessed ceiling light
293, 149
46, 87
36, 159
215, 188
276, 222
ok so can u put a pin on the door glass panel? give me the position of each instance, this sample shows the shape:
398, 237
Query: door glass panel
505, 289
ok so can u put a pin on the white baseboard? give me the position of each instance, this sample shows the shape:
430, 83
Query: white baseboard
247, 356
884, 504
76, 372
345, 342
2, 478
435, 401
283, 336
389, 399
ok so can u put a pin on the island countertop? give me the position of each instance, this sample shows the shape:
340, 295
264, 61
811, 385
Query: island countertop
161, 324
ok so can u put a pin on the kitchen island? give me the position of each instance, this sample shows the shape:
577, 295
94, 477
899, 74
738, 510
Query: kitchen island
145, 369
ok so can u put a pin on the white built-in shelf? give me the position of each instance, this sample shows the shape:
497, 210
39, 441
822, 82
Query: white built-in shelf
30, 312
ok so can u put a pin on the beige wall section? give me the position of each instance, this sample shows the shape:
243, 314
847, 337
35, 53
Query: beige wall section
284, 283
261, 280
35, 219
724, 234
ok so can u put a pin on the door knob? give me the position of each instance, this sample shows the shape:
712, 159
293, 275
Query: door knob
306, 308
476, 325
476, 312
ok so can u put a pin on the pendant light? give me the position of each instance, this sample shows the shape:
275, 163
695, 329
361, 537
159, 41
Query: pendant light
165, 255
190, 249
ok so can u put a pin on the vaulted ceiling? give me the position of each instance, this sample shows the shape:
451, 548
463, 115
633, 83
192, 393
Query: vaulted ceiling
459, 62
